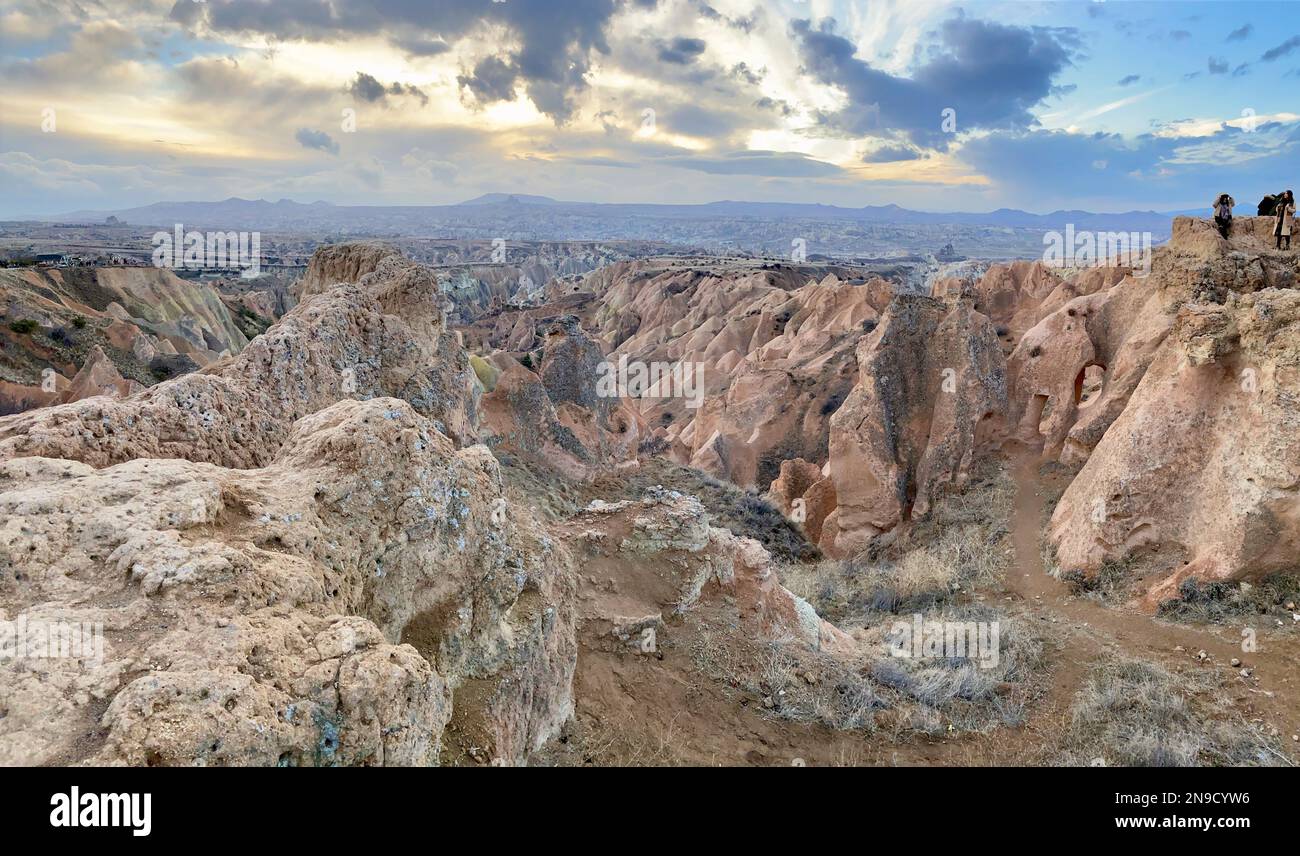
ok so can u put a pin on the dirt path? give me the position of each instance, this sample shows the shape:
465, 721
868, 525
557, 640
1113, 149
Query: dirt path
1092, 629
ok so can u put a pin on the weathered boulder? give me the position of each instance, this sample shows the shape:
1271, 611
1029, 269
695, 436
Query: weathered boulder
327, 608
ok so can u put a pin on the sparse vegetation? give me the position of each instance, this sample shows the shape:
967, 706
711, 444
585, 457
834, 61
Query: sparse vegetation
1107, 585
891, 694
24, 326
1277, 596
961, 545
1137, 713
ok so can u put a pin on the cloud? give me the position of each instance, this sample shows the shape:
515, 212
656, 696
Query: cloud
681, 50
319, 140
423, 47
1240, 33
750, 162
1129, 79
429, 166
1055, 164
550, 43
991, 74
891, 154
368, 88
1282, 49
369, 171
493, 79
1217, 65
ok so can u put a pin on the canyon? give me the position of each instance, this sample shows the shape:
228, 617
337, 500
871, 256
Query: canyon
401, 526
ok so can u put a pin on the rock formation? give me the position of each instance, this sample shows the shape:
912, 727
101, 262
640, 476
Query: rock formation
287, 574
1198, 474
929, 376
109, 318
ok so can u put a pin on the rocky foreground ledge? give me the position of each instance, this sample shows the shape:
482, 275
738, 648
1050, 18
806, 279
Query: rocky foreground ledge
303, 555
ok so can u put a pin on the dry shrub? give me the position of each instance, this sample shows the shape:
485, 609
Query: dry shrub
1136, 713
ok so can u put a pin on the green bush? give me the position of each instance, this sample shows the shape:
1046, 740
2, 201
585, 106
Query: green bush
24, 326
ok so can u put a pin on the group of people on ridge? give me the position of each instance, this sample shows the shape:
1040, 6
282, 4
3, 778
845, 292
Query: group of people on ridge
1280, 206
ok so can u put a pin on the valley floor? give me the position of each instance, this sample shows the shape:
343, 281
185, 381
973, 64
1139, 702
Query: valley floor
1103, 683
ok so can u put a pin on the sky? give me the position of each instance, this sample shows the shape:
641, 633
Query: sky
928, 104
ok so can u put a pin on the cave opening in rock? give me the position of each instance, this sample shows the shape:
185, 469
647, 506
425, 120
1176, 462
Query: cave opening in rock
1089, 383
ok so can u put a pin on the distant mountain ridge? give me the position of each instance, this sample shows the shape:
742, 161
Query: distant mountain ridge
284, 213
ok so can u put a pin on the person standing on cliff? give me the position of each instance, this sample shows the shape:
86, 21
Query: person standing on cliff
1223, 213
1285, 216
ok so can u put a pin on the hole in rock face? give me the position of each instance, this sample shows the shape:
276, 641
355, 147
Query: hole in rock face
426, 630
1089, 383
1038, 411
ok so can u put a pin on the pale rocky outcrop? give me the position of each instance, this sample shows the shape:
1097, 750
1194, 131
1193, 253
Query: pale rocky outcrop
1117, 330
657, 558
336, 263
324, 609
381, 336
1200, 473
287, 575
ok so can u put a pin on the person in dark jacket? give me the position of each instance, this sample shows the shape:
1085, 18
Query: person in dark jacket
1223, 213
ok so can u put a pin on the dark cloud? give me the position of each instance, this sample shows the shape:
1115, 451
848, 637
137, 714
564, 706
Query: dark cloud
1282, 49
367, 88
1218, 65
991, 74
744, 24
1129, 79
1241, 70
780, 106
309, 139
186, 12
743, 72
1180, 35
553, 41
493, 79
681, 50
1240, 33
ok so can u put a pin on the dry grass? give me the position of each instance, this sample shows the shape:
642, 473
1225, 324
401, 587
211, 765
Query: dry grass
882, 693
1136, 713
931, 570
586, 742
963, 545
1229, 602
